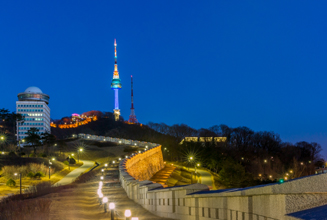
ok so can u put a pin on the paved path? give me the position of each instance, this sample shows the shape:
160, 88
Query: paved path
70, 177
206, 177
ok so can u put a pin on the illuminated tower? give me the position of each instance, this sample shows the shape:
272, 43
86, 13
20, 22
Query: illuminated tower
132, 118
116, 85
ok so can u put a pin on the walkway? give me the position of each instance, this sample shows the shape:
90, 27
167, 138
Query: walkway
206, 177
70, 177
82, 202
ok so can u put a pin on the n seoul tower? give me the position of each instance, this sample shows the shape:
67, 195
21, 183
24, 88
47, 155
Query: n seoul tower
116, 85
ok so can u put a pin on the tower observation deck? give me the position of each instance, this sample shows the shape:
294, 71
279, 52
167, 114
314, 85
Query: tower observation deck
116, 85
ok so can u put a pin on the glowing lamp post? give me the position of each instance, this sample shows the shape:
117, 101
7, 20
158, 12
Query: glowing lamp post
128, 214
135, 218
20, 182
104, 201
106, 165
119, 159
100, 198
113, 162
112, 210
101, 177
80, 150
102, 170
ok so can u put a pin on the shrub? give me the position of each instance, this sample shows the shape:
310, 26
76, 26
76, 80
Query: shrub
42, 155
72, 160
32, 155
66, 162
12, 154
30, 174
39, 174
11, 182
22, 153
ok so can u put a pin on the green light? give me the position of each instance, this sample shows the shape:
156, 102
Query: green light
281, 181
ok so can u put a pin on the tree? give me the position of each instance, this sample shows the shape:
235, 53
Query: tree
33, 138
234, 175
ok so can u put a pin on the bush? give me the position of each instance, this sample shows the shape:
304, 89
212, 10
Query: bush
30, 174
42, 155
12, 154
22, 153
39, 174
72, 160
66, 162
11, 182
32, 155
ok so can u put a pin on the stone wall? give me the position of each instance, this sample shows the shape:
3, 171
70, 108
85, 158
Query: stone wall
197, 202
144, 165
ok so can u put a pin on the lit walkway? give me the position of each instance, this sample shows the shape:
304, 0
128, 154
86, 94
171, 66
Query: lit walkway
70, 177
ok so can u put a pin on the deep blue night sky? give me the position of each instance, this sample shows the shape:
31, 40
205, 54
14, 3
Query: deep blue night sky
260, 64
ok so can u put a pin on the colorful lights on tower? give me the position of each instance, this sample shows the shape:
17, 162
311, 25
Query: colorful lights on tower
116, 85
132, 118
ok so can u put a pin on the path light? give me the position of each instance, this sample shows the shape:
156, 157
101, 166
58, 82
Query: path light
146, 146
53, 159
198, 164
102, 170
265, 161
101, 177
99, 191
20, 182
3, 152
113, 162
270, 176
128, 214
106, 165
126, 156
291, 171
285, 178
135, 218
105, 200
100, 184
112, 208
100, 198
139, 151
72, 154
119, 158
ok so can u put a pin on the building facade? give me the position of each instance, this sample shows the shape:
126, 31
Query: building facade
33, 105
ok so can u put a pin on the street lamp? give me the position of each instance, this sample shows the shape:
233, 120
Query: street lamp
102, 170
119, 158
128, 214
112, 208
135, 218
113, 162
20, 182
104, 201
79, 150
101, 177
100, 198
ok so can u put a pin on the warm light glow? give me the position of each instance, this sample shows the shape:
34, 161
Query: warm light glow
146, 146
101, 177
139, 151
100, 195
265, 161
191, 158
53, 158
126, 156
285, 178
3, 152
15, 174
113, 162
81, 149
106, 165
259, 174
135, 218
100, 183
286, 174
72, 154
128, 213
270, 176
102, 170
105, 200
198, 164
291, 171
301, 163
99, 191
111, 205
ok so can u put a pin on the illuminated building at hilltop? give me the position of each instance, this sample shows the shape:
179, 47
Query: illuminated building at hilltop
132, 118
116, 85
33, 105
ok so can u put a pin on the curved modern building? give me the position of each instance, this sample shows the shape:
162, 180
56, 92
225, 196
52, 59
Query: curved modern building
33, 104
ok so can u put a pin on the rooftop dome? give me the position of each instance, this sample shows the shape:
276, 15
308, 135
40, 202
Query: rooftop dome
33, 89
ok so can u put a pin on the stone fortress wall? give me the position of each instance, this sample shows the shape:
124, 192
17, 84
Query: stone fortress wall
197, 202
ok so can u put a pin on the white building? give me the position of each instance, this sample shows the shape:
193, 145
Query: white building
33, 104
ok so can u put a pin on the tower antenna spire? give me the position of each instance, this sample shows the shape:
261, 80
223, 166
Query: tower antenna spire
132, 118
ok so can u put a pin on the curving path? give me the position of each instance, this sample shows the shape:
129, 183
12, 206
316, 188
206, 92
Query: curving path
70, 177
